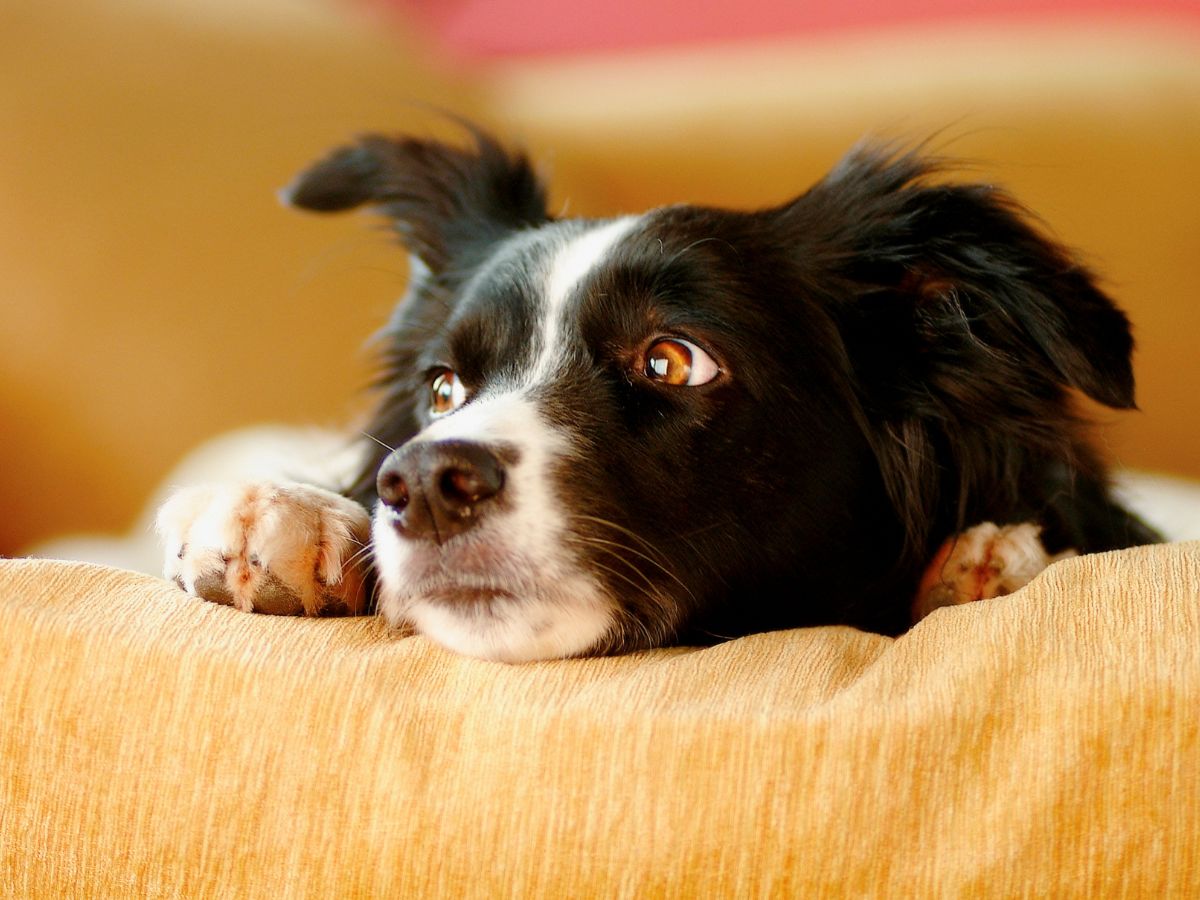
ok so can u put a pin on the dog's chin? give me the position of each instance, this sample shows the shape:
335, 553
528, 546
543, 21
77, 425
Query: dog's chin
522, 611
506, 628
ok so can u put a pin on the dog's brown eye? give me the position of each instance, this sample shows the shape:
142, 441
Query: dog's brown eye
679, 362
446, 392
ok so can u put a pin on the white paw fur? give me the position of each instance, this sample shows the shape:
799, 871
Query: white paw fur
983, 562
287, 549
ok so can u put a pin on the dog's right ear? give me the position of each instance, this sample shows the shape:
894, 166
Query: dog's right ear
445, 202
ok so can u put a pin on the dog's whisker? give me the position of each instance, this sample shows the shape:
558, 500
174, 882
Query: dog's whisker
687, 536
382, 444
654, 636
649, 587
696, 243
362, 553
628, 616
659, 602
615, 526
617, 550
621, 554
623, 548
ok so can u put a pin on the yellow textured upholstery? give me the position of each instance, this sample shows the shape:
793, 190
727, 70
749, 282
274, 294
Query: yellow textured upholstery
1045, 744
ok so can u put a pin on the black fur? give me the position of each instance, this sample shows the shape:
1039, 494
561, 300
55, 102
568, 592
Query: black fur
899, 355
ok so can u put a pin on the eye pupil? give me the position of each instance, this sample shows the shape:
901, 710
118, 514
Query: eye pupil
446, 392
670, 362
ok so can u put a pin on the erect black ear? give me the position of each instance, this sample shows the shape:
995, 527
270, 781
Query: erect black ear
968, 289
444, 201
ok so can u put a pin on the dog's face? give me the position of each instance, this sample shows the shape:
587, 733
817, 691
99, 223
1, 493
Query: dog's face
604, 435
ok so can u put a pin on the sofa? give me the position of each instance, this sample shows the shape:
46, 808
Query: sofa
154, 745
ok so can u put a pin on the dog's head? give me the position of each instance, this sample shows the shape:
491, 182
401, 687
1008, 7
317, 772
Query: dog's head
613, 434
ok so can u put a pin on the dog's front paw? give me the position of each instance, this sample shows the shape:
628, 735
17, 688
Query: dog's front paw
284, 549
981, 563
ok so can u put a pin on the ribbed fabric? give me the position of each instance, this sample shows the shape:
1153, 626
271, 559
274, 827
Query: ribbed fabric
153, 745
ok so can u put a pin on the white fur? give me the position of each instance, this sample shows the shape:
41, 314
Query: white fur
983, 562
542, 626
303, 536
513, 419
509, 589
262, 453
561, 610
557, 611
571, 265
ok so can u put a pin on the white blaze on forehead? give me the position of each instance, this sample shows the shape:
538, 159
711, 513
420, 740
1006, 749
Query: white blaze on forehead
495, 415
573, 262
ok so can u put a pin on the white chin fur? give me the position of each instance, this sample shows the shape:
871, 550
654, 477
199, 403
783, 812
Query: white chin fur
562, 616
514, 631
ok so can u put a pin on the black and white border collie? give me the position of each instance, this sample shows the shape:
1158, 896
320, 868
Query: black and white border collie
597, 436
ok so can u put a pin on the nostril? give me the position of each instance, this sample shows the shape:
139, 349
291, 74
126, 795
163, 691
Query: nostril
392, 488
436, 490
468, 486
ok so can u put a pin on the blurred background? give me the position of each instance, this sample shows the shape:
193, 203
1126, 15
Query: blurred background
154, 294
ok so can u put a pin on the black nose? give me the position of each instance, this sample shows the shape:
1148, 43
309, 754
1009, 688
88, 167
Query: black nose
440, 489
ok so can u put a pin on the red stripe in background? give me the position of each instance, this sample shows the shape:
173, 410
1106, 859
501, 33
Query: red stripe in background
499, 28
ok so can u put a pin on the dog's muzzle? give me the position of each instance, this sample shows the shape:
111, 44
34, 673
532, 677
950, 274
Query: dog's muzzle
437, 490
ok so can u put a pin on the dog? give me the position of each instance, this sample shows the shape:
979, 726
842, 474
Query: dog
693, 424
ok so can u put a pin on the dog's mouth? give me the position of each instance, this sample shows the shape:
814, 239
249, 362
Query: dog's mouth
480, 596
466, 596
507, 625
467, 571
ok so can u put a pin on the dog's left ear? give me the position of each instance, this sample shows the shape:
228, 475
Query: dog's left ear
961, 324
955, 285
444, 201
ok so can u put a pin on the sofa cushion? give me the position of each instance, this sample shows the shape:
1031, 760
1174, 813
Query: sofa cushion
154, 745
